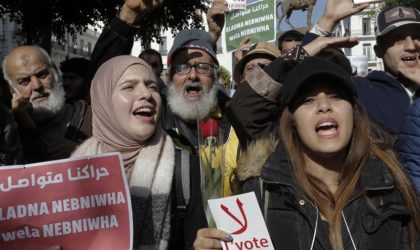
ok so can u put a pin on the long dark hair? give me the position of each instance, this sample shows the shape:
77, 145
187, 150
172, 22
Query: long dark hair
359, 149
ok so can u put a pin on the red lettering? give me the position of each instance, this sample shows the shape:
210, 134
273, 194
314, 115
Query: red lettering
227, 244
255, 240
248, 244
239, 246
264, 242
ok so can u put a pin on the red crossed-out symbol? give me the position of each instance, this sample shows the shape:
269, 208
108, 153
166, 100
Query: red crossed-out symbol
243, 224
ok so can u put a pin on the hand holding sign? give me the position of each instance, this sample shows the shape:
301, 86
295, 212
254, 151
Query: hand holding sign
244, 47
210, 238
240, 216
336, 10
216, 18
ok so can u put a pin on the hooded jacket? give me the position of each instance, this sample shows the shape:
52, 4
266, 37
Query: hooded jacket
409, 143
375, 214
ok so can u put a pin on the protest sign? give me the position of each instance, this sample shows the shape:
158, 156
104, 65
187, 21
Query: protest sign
366, 1
236, 4
240, 216
258, 21
78, 203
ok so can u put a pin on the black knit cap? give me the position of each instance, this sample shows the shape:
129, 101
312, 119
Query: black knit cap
310, 69
193, 39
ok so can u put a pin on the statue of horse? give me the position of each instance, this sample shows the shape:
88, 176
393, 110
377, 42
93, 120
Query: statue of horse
288, 6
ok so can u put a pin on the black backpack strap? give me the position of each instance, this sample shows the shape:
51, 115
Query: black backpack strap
182, 180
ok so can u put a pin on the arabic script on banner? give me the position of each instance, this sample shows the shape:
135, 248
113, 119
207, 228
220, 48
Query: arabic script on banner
84, 199
257, 21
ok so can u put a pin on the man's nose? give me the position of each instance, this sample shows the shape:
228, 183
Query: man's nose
409, 43
193, 73
35, 83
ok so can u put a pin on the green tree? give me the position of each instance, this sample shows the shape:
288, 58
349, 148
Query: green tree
224, 76
41, 19
408, 3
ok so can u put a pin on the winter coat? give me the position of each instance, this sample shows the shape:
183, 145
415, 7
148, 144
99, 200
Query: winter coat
409, 143
384, 98
375, 214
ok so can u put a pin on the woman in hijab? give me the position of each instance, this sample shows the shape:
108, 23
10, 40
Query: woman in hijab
126, 106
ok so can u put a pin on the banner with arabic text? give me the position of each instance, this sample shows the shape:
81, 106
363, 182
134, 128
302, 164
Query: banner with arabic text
78, 203
257, 21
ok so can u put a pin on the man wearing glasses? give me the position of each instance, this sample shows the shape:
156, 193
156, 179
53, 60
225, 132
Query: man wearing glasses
192, 67
192, 95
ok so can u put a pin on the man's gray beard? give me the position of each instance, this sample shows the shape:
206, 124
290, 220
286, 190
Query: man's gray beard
53, 106
187, 109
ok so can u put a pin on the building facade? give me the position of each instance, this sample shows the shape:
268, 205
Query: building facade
77, 45
362, 25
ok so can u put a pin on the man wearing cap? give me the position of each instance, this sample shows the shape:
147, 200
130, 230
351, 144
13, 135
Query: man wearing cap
288, 40
261, 53
387, 94
192, 95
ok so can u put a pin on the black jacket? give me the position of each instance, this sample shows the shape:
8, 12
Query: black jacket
375, 214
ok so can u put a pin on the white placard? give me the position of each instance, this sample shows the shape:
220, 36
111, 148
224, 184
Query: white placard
366, 1
240, 215
236, 4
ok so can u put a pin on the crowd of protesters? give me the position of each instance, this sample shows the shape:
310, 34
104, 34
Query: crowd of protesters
333, 159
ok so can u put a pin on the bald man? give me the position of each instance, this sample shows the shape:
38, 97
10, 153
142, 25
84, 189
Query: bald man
49, 127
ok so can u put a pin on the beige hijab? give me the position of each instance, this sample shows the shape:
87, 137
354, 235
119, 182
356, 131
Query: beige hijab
108, 132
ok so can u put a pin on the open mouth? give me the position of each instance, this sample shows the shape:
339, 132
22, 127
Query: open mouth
326, 128
193, 90
409, 59
144, 112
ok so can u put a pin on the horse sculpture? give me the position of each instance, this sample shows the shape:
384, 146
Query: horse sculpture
288, 6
